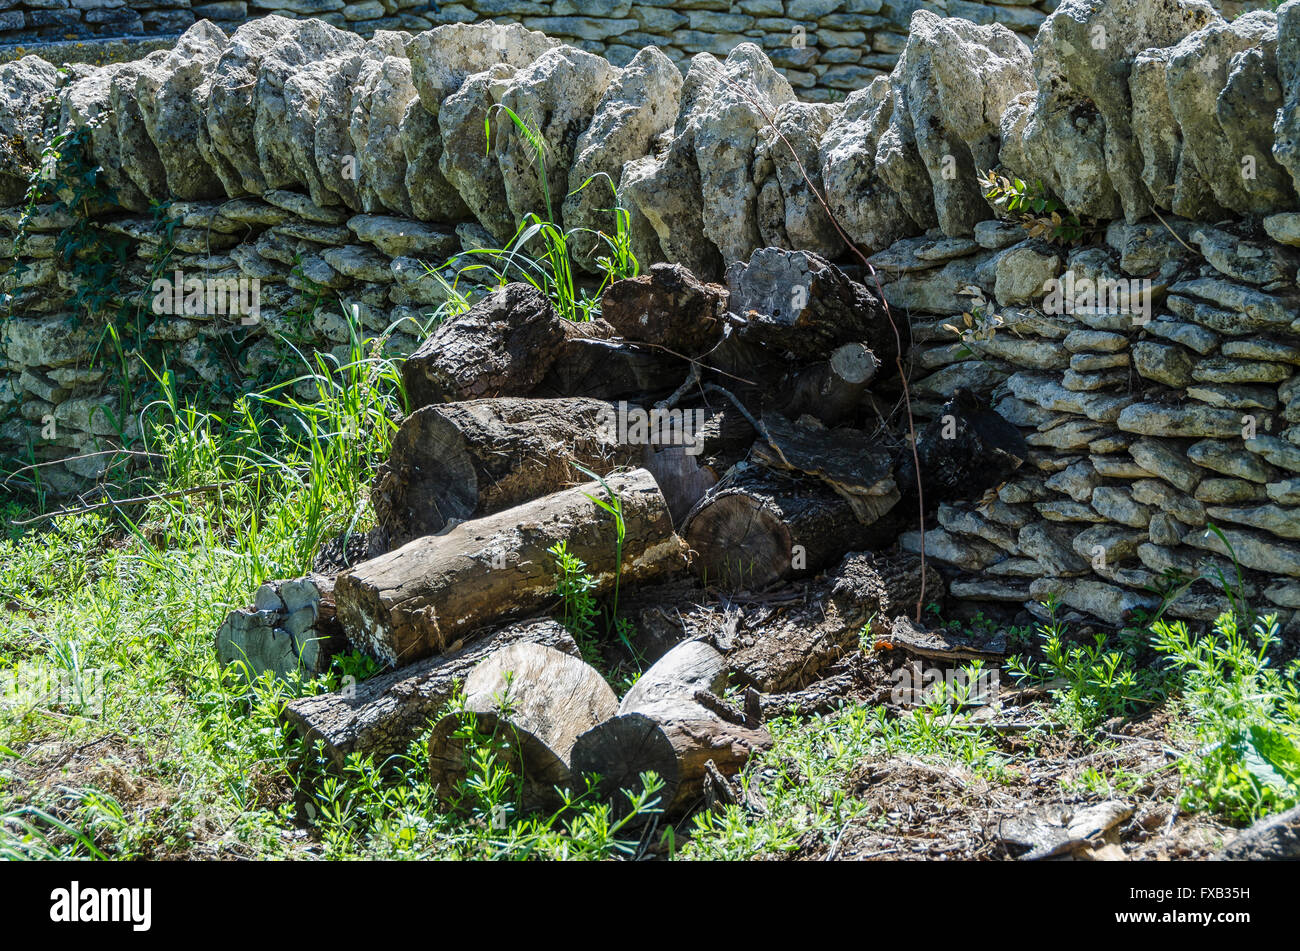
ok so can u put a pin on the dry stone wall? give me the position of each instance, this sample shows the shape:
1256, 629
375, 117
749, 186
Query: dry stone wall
1155, 368
825, 48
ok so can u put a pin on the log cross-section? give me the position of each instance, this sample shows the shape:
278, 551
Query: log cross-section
533, 702
671, 723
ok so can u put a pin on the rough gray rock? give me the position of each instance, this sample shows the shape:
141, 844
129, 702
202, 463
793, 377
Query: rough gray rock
726, 125
86, 104
433, 198
443, 58
950, 89
1223, 92
788, 178
1082, 137
1286, 130
279, 152
556, 96
664, 190
25, 85
864, 205
140, 159
466, 162
639, 105
379, 101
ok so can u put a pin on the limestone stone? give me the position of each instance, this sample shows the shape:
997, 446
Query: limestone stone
1223, 90
1080, 136
1251, 548
639, 105
443, 58
862, 202
949, 89
1155, 419
1277, 451
1164, 363
1229, 492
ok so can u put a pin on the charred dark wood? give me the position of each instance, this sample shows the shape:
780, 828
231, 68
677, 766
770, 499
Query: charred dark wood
673, 724
533, 702
833, 391
670, 307
756, 527
417, 599
382, 715
965, 451
456, 461
798, 303
850, 461
513, 343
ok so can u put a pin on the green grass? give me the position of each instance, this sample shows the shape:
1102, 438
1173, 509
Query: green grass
176, 754
805, 779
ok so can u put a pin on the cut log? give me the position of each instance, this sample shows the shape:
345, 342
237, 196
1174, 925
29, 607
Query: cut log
670, 723
456, 461
382, 715
513, 343
721, 437
848, 460
533, 702
833, 391
756, 527
419, 598
670, 307
290, 628
798, 303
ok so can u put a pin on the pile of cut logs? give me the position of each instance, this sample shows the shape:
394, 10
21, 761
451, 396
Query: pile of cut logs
749, 449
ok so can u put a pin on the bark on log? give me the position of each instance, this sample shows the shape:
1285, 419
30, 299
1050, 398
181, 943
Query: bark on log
382, 715
798, 303
417, 599
796, 642
670, 307
848, 460
533, 702
833, 390
756, 527
672, 723
513, 343
457, 461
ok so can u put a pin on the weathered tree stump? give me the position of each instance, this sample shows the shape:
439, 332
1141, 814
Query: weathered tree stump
290, 628
795, 642
670, 723
382, 715
420, 598
797, 302
533, 702
669, 307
